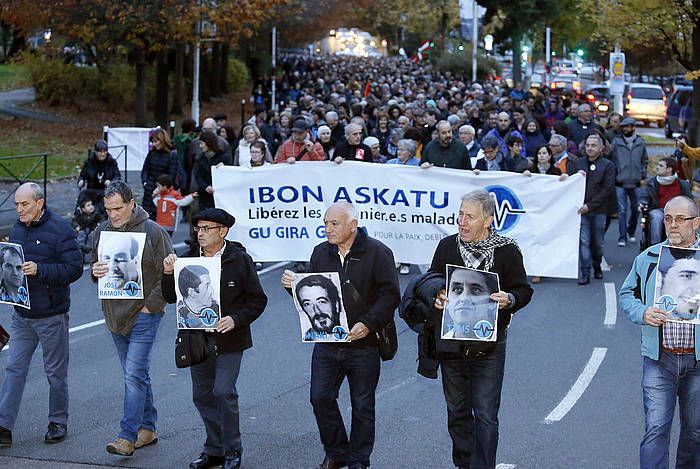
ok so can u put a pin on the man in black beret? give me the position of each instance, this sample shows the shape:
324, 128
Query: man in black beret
242, 302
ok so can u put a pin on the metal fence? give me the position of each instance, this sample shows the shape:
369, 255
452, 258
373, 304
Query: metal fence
19, 179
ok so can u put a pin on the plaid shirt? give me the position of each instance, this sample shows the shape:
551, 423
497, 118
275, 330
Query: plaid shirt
679, 334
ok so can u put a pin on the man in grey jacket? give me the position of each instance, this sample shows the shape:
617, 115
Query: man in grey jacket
134, 323
629, 153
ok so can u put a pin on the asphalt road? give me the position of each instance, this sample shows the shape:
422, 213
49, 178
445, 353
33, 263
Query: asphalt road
554, 345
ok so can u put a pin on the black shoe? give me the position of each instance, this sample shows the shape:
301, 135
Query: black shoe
57, 433
598, 274
205, 461
233, 460
329, 463
584, 280
5, 438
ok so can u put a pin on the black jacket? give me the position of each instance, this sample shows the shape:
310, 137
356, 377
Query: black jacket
508, 264
454, 156
202, 176
242, 296
370, 267
350, 152
600, 183
96, 172
50, 242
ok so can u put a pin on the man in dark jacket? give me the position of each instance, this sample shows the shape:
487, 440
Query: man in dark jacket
370, 289
52, 262
600, 186
445, 152
242, 302
352, 147
472, 372
582, 127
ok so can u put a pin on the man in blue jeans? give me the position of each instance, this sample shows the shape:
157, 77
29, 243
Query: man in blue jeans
600, 186
52, 260
133, 322
670, 349
370, 289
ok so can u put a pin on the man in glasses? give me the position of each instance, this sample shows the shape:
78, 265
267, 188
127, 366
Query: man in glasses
670, 350
133, 322
242, 302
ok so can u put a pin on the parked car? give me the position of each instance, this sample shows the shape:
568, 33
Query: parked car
598, 96
680, 111
645, 102
588, 70
562, 83
565, 66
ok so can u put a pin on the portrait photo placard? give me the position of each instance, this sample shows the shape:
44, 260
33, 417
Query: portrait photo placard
318, 299
470, 313
123, 252
198, 290
678, 284
14, 289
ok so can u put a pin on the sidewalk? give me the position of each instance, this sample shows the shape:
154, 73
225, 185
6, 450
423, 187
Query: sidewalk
11, 100
26, 463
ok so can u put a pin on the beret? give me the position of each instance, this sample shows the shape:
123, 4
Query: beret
216, 215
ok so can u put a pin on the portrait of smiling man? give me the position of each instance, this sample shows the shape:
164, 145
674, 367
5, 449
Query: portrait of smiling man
319, 299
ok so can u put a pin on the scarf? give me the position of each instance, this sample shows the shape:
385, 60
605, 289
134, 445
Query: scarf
666, 180
480, 252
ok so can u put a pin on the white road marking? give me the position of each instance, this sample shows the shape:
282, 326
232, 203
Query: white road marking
579, 386
88, 325
505, 466
610, 305
604, 266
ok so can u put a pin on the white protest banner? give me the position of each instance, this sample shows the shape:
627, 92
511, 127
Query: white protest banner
279, 209
136, 141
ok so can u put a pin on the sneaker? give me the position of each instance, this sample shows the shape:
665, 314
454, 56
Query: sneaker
622, 243
146, 438
121, 447
404, 269
632, 239
5, 437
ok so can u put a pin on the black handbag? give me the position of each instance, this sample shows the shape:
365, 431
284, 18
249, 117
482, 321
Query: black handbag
386, 336
190, 348
4, 337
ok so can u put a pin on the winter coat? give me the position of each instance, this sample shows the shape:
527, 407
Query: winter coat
96, 172
630, 163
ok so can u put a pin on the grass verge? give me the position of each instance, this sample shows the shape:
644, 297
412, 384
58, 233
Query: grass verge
13, 76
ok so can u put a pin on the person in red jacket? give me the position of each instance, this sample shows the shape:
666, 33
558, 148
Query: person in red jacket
167, 200
298, 147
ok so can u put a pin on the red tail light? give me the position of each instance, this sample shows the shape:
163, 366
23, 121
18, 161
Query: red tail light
590, 97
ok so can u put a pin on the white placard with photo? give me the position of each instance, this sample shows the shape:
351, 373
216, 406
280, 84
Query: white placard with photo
318, 299
14, 289
470, 313
678, 284
198, 290
123, 252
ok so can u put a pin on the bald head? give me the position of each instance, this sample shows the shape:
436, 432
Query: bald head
683, 202
209, 124
31, 190
346, 209
503, 121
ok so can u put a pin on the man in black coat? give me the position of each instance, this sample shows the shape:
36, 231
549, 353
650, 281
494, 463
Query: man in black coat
600, 187
472, 372
370, 288
242, 302
445, 152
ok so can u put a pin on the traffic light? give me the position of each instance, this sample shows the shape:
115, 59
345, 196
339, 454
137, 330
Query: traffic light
580, 52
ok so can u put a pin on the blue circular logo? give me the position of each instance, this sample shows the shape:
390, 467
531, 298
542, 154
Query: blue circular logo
132, 288
508, 208
483, 330
666, 303
22, 293
208, 317
339, 333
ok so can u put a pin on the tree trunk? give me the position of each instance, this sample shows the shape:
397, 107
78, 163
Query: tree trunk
140, 119
160, 108
517, 69
204, 72
215, 69
18, 42
178, 83
223, 77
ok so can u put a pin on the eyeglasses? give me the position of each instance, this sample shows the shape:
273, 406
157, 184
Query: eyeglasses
205, 229
680, 219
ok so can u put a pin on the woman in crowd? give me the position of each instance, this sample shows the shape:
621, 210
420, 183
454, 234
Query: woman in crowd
406, 153
161, 159
324, 138
534, 138
241, 156
229, 134
212, 156
382, 131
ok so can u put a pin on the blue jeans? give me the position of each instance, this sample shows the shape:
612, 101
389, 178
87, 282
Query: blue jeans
330, 364
216, 398
472, 388
25, 335
134, 351
626, 228
590, 252
656, 226
672, 375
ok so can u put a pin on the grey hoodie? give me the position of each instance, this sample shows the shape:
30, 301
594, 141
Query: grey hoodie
120, 315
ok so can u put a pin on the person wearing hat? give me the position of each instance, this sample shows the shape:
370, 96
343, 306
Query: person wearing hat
375, 148
629, 153
298, 147
98, 171
242, 301
670, 349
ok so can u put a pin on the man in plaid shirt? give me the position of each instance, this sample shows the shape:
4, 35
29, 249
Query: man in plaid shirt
670, 351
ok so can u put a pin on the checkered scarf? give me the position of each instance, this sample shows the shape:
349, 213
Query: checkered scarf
480, 252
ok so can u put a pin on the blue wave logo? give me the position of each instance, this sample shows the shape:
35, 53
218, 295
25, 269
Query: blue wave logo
508, 208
